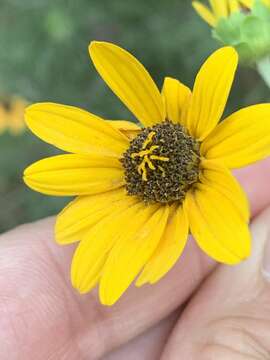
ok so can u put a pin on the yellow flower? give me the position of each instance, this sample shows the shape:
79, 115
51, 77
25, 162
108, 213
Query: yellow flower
222, 9
141, 190
12, 114
243, 24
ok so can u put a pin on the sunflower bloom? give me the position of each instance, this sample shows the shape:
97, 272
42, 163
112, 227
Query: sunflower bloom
12, 114
141, 189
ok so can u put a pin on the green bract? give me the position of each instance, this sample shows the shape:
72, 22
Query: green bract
248, 32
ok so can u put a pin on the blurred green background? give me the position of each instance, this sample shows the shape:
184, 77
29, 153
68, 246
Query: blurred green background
44, 57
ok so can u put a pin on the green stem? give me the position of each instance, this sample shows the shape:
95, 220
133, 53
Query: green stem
263, 67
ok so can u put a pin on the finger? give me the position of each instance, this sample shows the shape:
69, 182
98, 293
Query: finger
149, 345
255, 180
43, 317
35, 298
229, 318
35, 280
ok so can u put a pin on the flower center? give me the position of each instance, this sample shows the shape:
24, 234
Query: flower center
161, 163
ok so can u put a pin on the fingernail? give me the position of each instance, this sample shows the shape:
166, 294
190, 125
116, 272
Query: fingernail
266, 260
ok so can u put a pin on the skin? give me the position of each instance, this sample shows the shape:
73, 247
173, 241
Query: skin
199, 310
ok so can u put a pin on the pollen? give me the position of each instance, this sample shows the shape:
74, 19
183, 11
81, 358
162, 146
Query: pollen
147, 156
162, 163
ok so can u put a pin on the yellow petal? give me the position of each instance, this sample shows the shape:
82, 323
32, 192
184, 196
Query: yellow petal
74, 130
131, 252
73, 174
219, 7
176, 97
247, 3
95, 247
210, 92
233, 6
205, 13
129, 80
129, 129
124, 125
220, 178
169, 248
216, 225
241, 139
81, 214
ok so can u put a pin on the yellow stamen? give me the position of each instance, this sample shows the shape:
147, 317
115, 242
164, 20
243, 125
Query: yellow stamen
144, 152
148, 139
161, 158
142, 170
147, 155
149, 163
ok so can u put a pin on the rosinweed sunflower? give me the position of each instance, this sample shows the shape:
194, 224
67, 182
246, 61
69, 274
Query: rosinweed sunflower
12, 114
141, 189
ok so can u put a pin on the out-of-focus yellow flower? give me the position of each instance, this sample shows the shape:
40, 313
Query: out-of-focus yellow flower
12, 114
218, 9
222, 9
243, 24
250, 3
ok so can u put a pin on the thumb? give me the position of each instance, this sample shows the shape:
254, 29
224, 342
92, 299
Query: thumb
229, 318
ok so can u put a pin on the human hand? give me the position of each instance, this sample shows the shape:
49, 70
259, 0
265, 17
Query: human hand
42, 317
